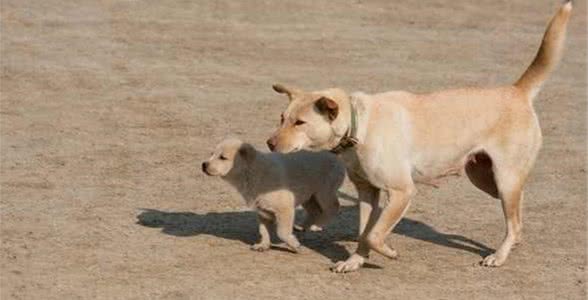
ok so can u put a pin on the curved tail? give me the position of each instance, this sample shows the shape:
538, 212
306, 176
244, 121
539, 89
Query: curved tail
549, 53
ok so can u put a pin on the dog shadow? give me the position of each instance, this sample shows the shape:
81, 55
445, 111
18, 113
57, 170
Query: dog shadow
242, 226
421, 231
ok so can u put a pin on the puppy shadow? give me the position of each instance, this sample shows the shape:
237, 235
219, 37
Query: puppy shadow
421, 231
240, 226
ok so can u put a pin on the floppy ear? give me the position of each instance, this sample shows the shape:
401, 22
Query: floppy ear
327, 107
285, 90
247, 152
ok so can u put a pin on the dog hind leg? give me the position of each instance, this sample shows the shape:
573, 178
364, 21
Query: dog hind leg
511, 196
314, 213
509, 180
329, 207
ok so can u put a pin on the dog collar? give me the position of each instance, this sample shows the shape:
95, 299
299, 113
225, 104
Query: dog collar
349, 140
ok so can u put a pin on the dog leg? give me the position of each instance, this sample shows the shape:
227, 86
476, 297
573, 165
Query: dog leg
399, 201
374, 237
329, 207
369, 211
284, 225
369, 208
313, 216
264, 242
511, 195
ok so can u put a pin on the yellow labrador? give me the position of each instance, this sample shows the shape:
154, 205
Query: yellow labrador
391, 141
274, 184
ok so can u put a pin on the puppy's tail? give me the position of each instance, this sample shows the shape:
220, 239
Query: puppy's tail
549, 53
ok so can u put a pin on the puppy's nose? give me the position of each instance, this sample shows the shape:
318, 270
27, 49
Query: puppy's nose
271, 144
204, 166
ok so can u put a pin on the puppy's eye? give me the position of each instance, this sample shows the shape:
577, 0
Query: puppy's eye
222, 157
282, 119
299, 122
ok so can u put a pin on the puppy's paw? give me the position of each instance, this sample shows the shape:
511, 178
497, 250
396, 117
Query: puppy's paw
311, 228
295, 248
260, 247
493, 260
293, 244
315, 228
353, 263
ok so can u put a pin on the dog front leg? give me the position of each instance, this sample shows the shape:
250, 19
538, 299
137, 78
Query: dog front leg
369, 208
284, 225
399, 200
369, 211
264, 242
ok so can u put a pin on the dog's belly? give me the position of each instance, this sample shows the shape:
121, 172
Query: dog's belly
431, 171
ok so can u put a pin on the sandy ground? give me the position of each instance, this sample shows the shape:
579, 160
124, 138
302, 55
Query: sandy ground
108, 107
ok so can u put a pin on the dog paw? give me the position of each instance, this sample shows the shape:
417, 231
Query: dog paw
294, 247
260, 247
315, 228
311, 228
297, 250
493, 260
380, 246
353, 263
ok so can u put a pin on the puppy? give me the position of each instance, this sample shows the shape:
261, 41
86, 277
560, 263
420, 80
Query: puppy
274, 184
390, 141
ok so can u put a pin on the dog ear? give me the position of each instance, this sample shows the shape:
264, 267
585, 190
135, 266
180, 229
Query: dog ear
327, 107
290, 91
247, 152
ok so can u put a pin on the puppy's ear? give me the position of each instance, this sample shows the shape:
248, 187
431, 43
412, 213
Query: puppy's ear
327, 107
247, 152
290, 91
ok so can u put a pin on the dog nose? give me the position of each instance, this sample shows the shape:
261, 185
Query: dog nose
271, 144
204, 166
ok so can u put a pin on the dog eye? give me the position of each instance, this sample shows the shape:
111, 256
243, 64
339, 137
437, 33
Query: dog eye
282, 119
222, 157
299, 122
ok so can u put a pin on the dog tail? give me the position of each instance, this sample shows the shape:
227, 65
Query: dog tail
549, 52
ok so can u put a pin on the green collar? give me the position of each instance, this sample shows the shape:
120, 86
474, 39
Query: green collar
350, 138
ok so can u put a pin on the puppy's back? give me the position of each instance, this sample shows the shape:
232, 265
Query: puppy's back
312, 168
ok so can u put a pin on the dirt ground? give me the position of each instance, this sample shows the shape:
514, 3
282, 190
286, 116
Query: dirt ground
108, 108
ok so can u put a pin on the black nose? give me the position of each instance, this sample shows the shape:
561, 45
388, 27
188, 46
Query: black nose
204, 166
271, 144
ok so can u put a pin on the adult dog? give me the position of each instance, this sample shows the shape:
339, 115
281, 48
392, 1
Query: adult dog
391, 141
